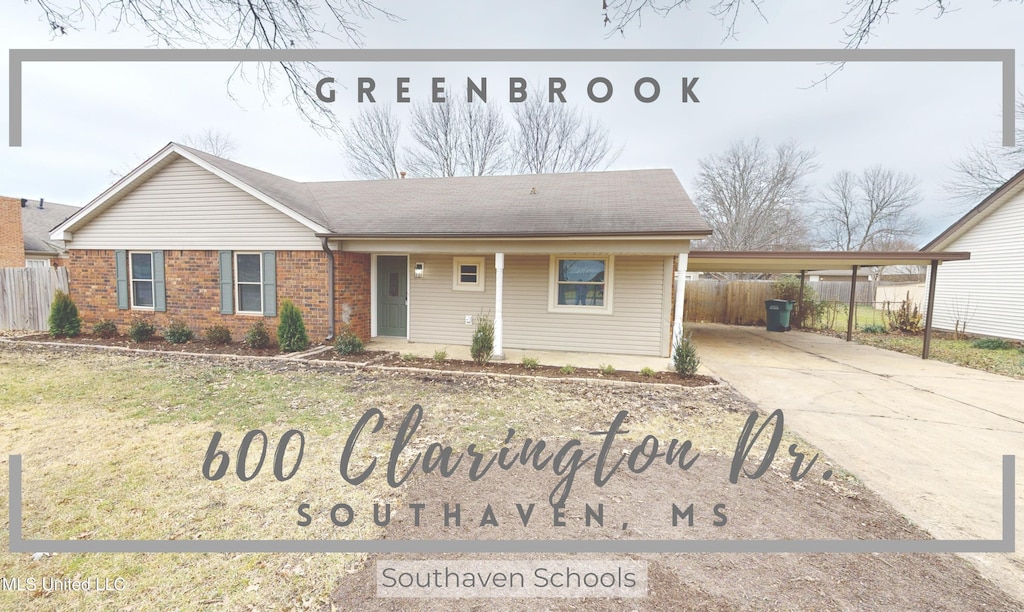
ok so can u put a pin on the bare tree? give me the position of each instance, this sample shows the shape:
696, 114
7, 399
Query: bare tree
860, 18
438, 134
553, 137
754, 198
486, 144
871, 211
984, 168
211, 141
371, 143
245, 24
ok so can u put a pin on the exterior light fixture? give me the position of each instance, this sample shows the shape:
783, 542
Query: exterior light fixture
418, 270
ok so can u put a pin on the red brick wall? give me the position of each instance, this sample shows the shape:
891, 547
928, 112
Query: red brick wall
193, 290
12, 242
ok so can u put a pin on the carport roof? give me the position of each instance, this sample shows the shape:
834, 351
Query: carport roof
780, 262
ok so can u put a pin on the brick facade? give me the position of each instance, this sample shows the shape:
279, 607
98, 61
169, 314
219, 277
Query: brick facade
192, 280
12, 242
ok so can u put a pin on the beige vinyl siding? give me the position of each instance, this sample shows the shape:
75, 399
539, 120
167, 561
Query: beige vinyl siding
186, 207
638, 324
990, 286
437, 313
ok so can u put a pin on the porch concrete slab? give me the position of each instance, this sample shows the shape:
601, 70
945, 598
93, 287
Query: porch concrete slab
928, 436
633, 363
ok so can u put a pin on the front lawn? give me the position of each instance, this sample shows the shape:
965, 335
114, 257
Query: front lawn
1009, 362
113, 447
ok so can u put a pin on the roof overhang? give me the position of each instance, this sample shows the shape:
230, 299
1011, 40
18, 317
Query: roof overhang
151, 166
781, 262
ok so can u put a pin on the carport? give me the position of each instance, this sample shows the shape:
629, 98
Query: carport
799, 262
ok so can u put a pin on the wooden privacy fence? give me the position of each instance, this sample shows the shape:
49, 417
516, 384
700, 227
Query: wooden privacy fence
26, 295
741, 302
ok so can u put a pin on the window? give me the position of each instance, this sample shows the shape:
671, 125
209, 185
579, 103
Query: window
141, 274
581, 284
37, 263
468, 274
249, 282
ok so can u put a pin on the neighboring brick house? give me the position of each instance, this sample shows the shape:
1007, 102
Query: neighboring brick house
578, 262
25, 232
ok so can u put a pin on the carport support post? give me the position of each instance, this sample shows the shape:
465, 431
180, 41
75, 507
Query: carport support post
853, 305
931, 308
499, 278
800, 299
677, 316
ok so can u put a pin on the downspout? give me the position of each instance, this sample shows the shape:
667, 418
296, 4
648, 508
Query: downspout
330, 288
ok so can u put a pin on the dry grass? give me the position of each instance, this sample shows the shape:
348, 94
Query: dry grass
1008, 362
113, 447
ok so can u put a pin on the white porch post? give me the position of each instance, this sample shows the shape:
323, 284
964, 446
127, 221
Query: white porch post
677, 317
499, 277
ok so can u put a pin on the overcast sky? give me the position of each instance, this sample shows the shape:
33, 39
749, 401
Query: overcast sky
83, 120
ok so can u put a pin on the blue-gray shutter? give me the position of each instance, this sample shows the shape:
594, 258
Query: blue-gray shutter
159, 286
227, 289
269, 284
121, 272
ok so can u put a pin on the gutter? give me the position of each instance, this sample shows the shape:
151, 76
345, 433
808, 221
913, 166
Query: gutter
330, 288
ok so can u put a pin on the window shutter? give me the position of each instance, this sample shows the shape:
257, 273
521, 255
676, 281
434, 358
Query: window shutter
269, 284
159, 286
227, 290
121, 272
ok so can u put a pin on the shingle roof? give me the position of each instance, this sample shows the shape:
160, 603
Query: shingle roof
626, 202
36, 224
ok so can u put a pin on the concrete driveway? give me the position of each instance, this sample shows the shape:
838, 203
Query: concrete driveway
927, 436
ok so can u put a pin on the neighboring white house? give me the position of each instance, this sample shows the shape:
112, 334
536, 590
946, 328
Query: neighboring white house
986, 293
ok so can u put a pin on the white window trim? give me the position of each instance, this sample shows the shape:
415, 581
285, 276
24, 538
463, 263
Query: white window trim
457, 284
238, 294
131, 280
609, 277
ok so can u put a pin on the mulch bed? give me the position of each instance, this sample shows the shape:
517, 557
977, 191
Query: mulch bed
394, 359
385, 358
198, 345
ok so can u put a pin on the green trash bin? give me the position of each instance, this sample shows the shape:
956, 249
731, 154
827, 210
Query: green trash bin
777, 314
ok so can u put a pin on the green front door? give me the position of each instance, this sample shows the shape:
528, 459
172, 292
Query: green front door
392, 294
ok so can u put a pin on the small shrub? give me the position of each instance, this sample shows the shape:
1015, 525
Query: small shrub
567, 369
647, 372
482, 348
606, 369
788, 288
684, 358
874, 328
64, 320
348, 343
291, 331
257, 337
992, 344
906, 318
105, 329
530, 363
141, 330
178, 333
408, 357
440, 355
218, 334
